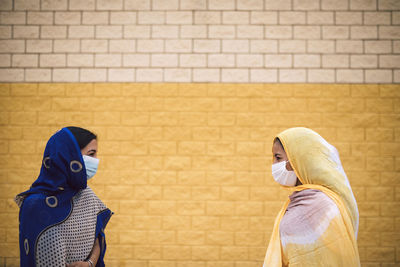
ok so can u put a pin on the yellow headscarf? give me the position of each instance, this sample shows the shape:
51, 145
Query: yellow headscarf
317, 165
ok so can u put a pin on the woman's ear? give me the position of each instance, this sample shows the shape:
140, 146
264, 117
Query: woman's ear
289, 166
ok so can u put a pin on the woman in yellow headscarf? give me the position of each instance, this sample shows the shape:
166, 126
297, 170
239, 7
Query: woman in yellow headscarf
318, 224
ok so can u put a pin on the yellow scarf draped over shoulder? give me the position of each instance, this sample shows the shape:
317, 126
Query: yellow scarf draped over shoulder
317, 165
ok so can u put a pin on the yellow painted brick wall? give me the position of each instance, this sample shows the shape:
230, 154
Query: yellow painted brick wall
186, 167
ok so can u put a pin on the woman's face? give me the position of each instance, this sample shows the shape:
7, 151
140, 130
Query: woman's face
280, 155
90, 149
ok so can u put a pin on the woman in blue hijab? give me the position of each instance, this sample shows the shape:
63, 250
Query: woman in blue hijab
61, 220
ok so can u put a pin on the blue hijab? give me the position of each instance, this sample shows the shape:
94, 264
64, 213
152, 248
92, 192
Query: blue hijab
48, 202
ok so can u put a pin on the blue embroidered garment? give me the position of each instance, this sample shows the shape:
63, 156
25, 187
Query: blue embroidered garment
59, 207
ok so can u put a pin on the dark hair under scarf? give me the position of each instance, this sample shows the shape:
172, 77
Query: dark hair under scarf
82, 136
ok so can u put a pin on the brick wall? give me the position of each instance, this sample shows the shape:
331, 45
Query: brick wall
186, 96
186, 167
290, 41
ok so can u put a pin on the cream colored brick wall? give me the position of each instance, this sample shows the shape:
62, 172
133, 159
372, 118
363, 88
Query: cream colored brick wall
240, 41
186, 167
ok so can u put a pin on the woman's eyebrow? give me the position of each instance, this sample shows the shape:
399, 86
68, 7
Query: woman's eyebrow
277, 154
92, 150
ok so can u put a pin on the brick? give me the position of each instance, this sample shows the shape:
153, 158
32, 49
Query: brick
81, 31
13, 18
150, 45
151, 17
221, 60
165, 5
193, 31
292, 46
163, 60
377, 18
5, 32
287, 75
177, 75
320, 18
323, 46
108, 32
67, 18
53, 32
192, 60
22, 60
306, 5
349, 18
193, 4
11, 75
282, 5
249, 60
363, 32
308, 61
263, 17
349, 76
5, 60
334, 5
335, 32
121, 75
136, 60
207, 17
396, 76
94, 46
307, 32
361, 61
79, 5
221, 4
235, 17
65, 75
263, 46
378, 76
349, 46
250, 4
137, 4
378, 47
321, 76
278, 32
292, 17
107, 5
63, 46
127, 46
108, 60
52, 60
39, 46
80, 60
26, 32
206, 75
94, 18
179, 17
26, 5
236, 75
335, 61
221, 32
12, 46
148, 75
235, 46
395, 18
54, 5
363, 4
204, 46
278, 61
389, 32
40, 18
135, 31
165, 32
6, 5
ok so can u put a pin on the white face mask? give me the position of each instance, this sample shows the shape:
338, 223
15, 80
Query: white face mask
282, 175
91, 165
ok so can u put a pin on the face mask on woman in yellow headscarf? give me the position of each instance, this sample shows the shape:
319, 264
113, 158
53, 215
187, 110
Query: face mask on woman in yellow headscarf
318, 224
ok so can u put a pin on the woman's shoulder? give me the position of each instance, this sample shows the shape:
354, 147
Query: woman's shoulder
309, 211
